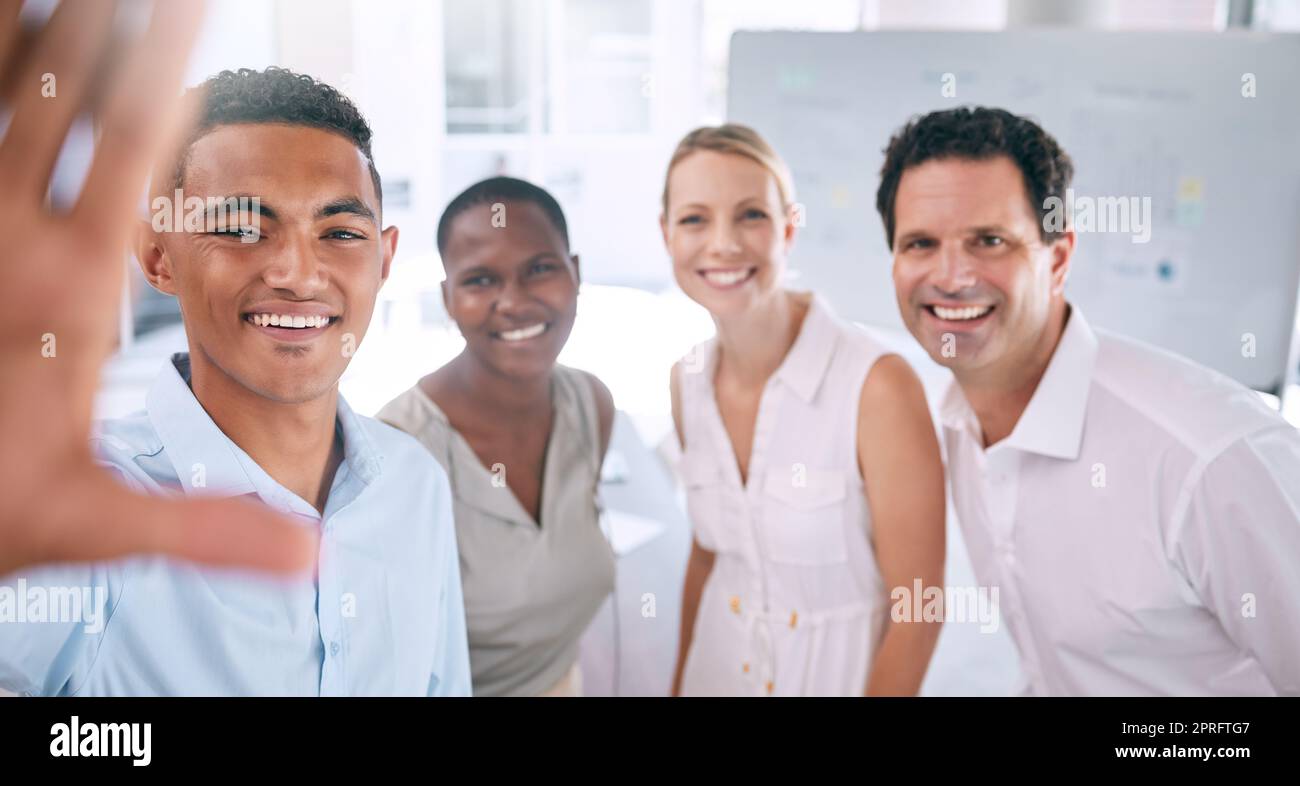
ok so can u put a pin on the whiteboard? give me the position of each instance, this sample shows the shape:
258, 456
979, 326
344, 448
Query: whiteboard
1141, 114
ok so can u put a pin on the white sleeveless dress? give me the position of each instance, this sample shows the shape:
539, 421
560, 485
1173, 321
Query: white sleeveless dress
795, 605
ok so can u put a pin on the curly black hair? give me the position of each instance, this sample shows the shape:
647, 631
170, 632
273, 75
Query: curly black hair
977, 133
276, 95
501, 189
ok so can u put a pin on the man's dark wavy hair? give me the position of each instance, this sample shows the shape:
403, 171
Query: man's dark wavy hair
977, 133
277, 95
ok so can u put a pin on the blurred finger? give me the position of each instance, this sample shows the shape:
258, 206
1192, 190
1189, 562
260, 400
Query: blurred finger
216, 532
142, 119
51, 89
226, 533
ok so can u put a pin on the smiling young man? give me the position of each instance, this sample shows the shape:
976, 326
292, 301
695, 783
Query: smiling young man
275, 300
1140, 513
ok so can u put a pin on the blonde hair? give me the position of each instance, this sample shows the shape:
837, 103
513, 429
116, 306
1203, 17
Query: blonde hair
738, 140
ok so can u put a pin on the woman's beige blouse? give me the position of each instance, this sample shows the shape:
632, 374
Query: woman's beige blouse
530, 589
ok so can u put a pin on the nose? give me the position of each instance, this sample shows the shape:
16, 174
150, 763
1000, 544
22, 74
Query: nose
297, 269
955, 269
723, 241
513, 297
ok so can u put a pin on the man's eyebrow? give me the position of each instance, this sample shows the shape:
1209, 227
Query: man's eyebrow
215, 206
984, 229
911, 234
346, 205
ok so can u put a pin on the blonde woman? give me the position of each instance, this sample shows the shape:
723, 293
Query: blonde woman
814, 481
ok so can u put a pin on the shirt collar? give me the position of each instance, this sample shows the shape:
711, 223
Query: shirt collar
1052, 424
209, 463
805, 365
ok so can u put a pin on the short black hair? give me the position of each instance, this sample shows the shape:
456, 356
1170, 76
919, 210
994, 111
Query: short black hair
501, 189
277, 95
977, 133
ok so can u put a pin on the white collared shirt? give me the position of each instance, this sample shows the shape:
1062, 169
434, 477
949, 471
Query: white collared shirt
1142, 524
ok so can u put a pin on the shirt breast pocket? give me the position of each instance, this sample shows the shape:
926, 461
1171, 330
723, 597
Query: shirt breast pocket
803, 516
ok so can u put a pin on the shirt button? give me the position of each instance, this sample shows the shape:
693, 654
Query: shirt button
334, 648
735, 603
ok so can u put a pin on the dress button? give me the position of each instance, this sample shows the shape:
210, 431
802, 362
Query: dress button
735, 603
794, 617
744, 667
334, 648
769, 687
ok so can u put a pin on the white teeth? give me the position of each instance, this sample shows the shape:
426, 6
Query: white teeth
523, 334
726, 277
961, 314
290, 320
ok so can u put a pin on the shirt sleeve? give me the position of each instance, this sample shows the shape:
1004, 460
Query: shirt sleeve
52, 621
1239, 547
49, 645
451, 673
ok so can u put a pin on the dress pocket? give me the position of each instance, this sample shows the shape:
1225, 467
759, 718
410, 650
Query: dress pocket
705, 500
803, 516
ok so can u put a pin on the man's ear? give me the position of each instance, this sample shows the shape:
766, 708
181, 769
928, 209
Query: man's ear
577, 269
153, 259
1062, 254
388, 244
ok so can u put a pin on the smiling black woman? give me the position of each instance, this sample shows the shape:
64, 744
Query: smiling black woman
521, 437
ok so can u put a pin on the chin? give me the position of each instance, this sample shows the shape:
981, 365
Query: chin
525, 368
725, 304
966, 360
294, 385
952, 364
296, 394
